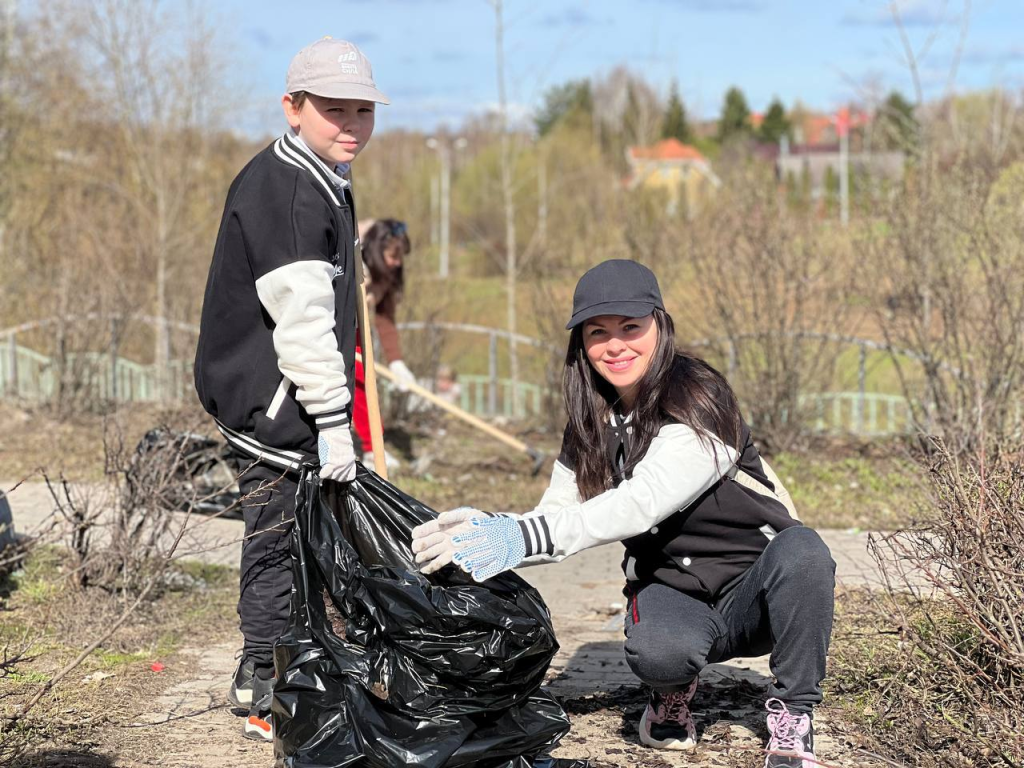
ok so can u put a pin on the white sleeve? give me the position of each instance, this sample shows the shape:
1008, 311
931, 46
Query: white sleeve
561, 492
676, 470
299, 297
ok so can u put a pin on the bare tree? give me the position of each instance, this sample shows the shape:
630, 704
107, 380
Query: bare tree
166, 101
126, 113
508, 196
954, 590
774, 287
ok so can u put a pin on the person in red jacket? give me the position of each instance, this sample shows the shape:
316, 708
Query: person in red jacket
656, 455
385, 244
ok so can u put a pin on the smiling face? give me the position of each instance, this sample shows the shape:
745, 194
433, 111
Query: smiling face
620, 349
335, 129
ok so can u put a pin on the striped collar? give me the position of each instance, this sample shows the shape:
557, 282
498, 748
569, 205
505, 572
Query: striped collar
294, 151
625, 419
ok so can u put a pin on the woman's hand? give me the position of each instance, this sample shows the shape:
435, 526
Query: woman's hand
432, 541
490, 546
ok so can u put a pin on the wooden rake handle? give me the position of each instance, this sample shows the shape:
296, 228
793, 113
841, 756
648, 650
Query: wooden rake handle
537, 456
370, 375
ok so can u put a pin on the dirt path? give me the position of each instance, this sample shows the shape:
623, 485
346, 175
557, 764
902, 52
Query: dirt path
589, 675
190, 725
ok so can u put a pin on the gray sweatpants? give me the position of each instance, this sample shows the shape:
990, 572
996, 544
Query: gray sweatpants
783, 606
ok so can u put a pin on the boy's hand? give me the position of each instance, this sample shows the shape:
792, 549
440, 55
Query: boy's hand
432, 541
337, 456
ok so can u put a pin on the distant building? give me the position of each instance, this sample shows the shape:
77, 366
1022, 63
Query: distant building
813, 164
679, 169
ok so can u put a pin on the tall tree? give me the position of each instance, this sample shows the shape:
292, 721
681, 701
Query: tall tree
675, 124
507, 193
898, 123
735, 118
570, 101
775, 124
632, 128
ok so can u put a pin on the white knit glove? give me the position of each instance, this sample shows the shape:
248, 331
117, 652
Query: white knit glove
337, 456
432, 541
403, 375
490, 546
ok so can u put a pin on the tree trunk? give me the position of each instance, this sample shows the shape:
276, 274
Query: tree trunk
510, 209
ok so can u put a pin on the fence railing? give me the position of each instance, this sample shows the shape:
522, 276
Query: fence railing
864, 414
31, 375
35, 377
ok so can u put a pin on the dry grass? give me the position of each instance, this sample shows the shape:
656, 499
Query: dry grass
942, 683
35, 438
44, 613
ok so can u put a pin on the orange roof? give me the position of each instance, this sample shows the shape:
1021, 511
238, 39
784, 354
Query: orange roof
666, 149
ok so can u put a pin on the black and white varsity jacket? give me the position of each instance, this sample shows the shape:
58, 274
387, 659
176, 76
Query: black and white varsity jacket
277, 339
684, 522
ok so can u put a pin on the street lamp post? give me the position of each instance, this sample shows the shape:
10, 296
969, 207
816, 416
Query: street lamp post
444, 153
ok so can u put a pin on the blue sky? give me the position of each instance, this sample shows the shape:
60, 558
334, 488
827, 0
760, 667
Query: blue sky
435, 58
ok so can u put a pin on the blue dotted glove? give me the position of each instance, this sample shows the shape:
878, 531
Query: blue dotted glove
494, 544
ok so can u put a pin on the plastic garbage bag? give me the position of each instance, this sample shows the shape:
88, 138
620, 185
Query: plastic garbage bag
417, 672
193, 472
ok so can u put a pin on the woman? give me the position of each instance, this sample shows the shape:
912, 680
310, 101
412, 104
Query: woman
385, 245
656, 455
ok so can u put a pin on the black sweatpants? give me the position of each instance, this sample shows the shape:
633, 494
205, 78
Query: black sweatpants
266, 570
783, 605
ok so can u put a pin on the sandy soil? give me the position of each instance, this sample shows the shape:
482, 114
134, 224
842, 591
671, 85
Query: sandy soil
190, 725
187, 722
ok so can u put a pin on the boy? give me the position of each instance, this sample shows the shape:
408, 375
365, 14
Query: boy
277, 338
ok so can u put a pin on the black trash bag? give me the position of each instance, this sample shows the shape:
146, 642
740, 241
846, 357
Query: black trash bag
430, 673
202, 472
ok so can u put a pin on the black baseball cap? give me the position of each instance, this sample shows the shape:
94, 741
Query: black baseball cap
615, 287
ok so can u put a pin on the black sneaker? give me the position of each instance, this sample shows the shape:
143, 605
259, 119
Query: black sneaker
791, 738
240, 692
667, 723
259, 725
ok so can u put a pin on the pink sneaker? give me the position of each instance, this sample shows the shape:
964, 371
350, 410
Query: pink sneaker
667, 723
793, 734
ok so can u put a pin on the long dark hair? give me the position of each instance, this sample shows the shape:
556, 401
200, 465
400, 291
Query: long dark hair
383, 235
677, 387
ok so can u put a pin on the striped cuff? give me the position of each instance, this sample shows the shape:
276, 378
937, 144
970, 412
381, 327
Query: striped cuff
329, 420
537, 536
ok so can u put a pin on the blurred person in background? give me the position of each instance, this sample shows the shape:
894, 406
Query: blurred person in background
385, 244
447, 384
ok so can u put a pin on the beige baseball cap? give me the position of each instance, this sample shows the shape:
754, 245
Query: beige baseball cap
336, 69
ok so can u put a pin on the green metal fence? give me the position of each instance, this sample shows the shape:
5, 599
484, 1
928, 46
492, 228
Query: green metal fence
28, 375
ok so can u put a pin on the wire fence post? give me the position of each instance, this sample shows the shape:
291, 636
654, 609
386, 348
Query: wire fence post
492, 373
114, 389
12, 365
862, 378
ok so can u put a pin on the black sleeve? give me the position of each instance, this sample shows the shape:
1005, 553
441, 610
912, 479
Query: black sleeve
292, 223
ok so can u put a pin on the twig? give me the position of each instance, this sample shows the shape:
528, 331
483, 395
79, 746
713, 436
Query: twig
49, 684
52, 682
780, 753
185, 716
876, 756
